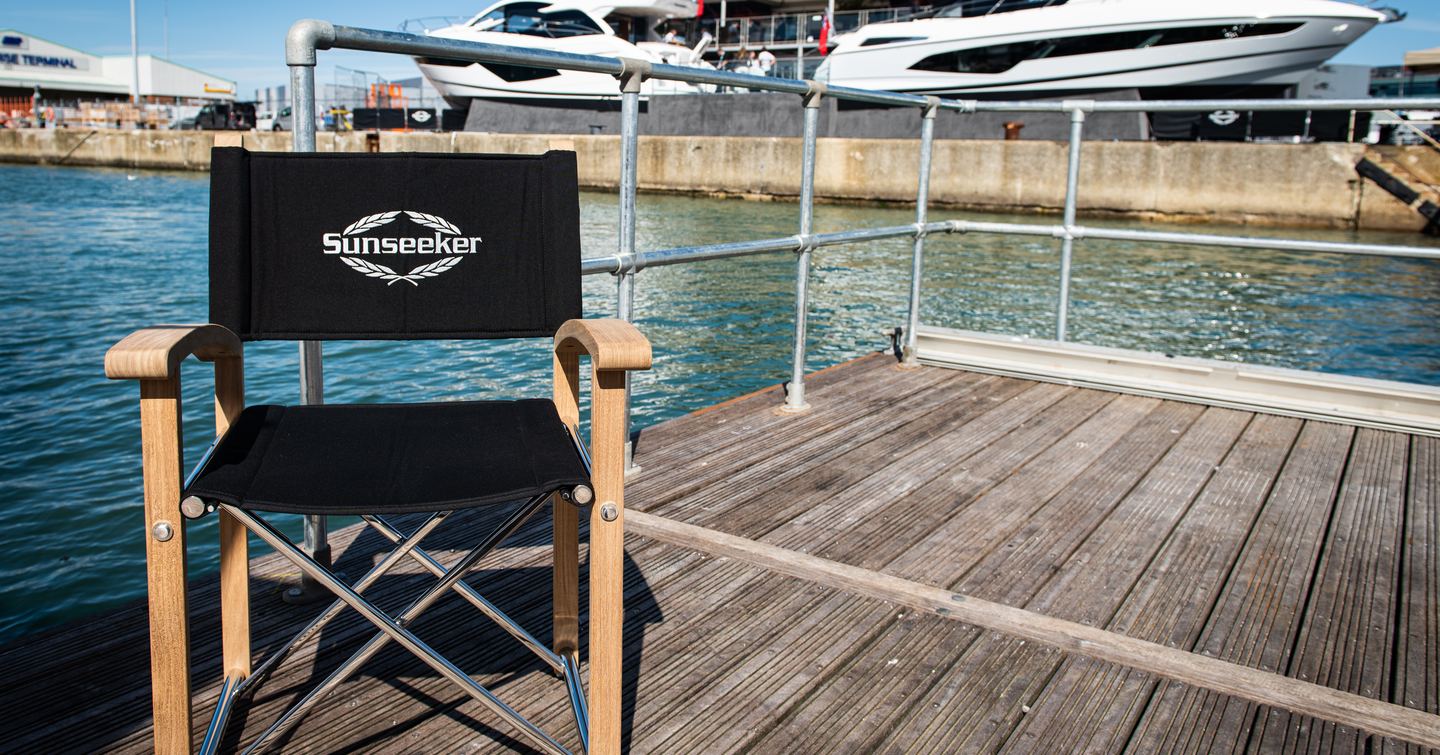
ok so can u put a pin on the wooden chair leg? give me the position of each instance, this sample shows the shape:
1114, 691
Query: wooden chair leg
566, 536
234, 596
566, 629
162, 461
234, 546
607, 560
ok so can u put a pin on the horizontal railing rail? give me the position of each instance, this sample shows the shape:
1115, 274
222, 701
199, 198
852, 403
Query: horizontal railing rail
377, 40
613, 265
306, 37
1198, 239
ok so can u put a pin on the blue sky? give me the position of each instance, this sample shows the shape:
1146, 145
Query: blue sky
244, 41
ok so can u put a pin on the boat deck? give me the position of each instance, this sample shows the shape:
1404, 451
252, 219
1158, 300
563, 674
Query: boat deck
1299, 547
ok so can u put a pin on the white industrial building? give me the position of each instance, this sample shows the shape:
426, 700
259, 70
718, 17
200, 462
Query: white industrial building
61, 72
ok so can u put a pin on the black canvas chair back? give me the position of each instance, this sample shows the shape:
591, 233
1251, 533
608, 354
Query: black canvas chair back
401, 246
322, 246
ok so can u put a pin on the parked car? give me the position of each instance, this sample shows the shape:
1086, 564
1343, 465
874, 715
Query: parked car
269, 120
226, 116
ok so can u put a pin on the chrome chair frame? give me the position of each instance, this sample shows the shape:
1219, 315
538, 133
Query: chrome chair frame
396, 627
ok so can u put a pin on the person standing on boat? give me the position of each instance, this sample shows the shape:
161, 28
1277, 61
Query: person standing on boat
766, 61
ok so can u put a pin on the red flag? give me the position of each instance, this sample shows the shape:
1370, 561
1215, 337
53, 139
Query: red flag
824, 34
699, 8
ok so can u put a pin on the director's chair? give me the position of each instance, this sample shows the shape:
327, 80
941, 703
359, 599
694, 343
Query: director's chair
413, 246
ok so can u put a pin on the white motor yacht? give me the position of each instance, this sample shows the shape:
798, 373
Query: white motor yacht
1027, 47
620, 28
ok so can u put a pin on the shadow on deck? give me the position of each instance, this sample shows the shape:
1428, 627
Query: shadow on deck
1299, 547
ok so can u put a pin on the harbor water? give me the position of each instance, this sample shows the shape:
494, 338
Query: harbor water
92, 254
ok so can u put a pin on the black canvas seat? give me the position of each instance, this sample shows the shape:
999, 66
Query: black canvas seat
390, 458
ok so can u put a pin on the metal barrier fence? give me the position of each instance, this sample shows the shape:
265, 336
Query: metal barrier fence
306, 37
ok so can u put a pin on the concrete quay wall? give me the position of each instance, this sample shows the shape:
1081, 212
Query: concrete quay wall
1312, 185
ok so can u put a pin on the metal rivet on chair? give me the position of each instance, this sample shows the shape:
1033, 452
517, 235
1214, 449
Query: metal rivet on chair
163, 531
582, 495
192, 507
609, 512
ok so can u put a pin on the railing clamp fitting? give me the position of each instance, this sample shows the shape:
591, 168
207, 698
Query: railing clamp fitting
932, 104
629, 264
812, 95
304, 38
632, 72
1078, 108
1071, 232
956, 226
805, 242
922, 230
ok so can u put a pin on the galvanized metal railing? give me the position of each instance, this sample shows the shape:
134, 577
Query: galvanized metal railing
308, 36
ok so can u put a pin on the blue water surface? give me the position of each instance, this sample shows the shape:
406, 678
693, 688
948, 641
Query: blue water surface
91, 254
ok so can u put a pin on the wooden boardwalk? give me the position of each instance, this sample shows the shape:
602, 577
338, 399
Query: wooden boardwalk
1303, 548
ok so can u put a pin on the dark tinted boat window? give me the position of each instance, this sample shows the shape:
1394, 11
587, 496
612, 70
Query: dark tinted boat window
873, 41
1001, 58
526, 18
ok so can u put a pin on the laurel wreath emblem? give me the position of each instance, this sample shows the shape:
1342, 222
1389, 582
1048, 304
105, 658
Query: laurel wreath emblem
389, 275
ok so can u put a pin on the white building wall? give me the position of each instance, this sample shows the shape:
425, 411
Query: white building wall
26, 61
164, 78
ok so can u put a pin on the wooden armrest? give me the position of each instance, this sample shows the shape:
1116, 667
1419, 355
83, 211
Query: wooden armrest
612, 344
155, 353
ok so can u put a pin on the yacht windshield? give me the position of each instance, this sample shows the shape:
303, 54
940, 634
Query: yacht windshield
527, 18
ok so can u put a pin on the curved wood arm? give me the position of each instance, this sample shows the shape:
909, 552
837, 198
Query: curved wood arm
612, 344
155, 353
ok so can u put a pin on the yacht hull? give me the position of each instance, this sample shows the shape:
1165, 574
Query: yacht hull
1270, 50
460, 80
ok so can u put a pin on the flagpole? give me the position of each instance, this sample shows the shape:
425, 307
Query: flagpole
134, 58
827, 27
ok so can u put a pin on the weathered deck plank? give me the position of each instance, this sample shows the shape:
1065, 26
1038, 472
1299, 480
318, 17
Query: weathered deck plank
905, 661
1416, 682
1346, 641
1140, 514
1258, 615
1092, 705
1001, 676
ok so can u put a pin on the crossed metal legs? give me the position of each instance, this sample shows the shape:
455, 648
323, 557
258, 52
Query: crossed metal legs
395, 628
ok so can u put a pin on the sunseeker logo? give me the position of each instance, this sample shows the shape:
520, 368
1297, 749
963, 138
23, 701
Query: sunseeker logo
447, 240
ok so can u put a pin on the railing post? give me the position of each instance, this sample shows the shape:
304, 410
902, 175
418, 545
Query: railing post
1067, 238
795, 395
312, 367
922, 207
631, 78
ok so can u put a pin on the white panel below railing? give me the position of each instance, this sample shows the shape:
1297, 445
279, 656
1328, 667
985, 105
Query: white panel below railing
1383, 404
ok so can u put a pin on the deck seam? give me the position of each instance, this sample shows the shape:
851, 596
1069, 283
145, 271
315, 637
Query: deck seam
1397, 647
1314, 581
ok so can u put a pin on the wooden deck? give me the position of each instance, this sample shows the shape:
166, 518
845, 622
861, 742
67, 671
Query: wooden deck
1299, 547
